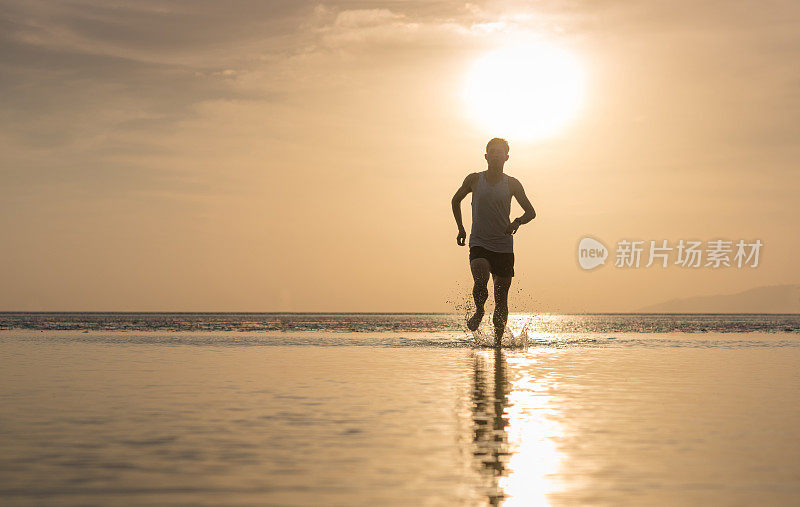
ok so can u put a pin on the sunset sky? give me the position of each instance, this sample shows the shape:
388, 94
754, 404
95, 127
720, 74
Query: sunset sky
301, 156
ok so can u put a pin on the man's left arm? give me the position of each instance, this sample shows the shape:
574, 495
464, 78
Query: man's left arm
519, 192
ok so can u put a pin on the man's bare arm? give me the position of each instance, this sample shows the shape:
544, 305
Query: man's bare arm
519, 192
461, 193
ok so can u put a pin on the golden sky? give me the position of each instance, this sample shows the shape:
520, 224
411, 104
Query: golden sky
301, 156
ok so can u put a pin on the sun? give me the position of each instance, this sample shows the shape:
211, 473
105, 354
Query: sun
524, 92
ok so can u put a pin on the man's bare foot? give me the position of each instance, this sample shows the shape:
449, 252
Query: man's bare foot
498, 339
475, 321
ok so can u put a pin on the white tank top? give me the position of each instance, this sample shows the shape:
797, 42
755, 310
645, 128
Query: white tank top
491, 207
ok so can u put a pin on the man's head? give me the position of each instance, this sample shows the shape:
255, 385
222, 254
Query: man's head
497, 152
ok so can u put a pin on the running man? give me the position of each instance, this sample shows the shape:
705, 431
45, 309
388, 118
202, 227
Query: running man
491, 244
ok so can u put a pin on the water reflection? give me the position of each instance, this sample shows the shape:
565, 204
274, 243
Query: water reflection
514, 428
489, 401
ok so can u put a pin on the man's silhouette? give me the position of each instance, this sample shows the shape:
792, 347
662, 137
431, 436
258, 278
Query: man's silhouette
491, 244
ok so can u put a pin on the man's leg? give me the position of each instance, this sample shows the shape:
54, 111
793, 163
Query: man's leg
480, 292
501, 286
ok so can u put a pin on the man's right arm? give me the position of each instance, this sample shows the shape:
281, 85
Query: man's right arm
462, 192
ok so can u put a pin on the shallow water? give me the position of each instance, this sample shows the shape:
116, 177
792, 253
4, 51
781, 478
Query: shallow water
398, 322
328, 418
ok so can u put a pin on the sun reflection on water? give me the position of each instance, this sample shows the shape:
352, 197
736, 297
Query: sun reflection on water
514, 428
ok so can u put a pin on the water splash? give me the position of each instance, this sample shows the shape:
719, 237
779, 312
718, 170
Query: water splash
484, 336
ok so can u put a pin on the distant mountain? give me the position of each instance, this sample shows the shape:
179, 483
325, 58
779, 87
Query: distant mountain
770, 299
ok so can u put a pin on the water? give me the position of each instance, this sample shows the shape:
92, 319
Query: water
401, 409
397, 322
399, 329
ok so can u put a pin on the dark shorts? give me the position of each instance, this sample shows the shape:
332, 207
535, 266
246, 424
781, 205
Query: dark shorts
500, 263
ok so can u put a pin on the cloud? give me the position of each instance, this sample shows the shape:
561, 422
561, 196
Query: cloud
96, 81
198, 33
463, 24
73, 69
91, 81
358, 18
